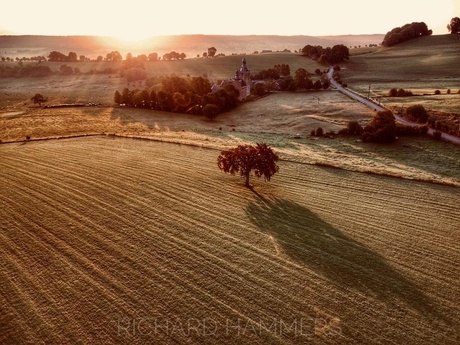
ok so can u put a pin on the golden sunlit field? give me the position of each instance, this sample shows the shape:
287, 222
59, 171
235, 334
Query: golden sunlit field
112, 240
118, 227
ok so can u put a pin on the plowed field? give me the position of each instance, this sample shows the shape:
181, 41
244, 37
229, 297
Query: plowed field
111, 240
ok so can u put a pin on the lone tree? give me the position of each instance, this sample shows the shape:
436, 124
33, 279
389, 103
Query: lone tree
38, 98
212, 51
246, 158
454, 25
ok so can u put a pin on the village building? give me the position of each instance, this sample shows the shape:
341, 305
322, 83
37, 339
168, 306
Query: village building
241, 81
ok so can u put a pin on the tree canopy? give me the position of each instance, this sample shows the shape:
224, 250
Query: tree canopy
211, 51
454, 25
243, 159
382, 128
39, 98
334, 55
405, 33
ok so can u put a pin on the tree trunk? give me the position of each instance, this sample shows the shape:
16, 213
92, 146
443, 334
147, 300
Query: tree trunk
246, 182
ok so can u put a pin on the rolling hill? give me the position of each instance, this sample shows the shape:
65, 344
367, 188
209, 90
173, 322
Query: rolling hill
418, 60
191, 45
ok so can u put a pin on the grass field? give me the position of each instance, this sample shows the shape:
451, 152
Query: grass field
422, 65
101, 87
283, 120
216, 68
119, 240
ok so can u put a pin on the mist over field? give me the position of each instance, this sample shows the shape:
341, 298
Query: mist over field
191, 45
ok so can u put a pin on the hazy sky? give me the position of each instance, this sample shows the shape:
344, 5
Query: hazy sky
135, 19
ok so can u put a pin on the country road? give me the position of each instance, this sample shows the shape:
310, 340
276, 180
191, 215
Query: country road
376, 107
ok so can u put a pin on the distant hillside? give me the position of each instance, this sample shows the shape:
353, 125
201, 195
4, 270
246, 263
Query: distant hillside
428, 62
191, 45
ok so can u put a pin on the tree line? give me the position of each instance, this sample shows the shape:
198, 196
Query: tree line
279, 78
192, 95
330, 56
115, 56
36, 70
405, 33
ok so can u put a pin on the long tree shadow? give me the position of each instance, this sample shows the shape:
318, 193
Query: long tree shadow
306, 238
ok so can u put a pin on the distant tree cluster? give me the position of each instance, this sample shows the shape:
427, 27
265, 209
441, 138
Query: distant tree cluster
25, 70
23, 59
57, 56
334, 55
182, 95
174, 56
394, 92
283, 69
132, 68
454, 25
302, 81
273, 73
405, 33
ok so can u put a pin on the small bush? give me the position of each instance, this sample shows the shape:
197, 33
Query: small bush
437, 92
312, 133
448, 91
319, 132
401, 93
354, 128
211, 111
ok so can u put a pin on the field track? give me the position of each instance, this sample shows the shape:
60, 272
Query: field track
110, 240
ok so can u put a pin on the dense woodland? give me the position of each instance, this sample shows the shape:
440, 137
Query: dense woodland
405, 33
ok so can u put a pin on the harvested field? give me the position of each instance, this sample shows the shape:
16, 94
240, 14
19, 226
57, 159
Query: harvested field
110, 240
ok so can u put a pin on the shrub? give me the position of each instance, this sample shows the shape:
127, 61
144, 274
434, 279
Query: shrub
393, 92
259, 89
404, 130
354, 128
312, 133
437, 92
210, 111
448, 91
343, 131
319, 132
401, 93
417, 113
